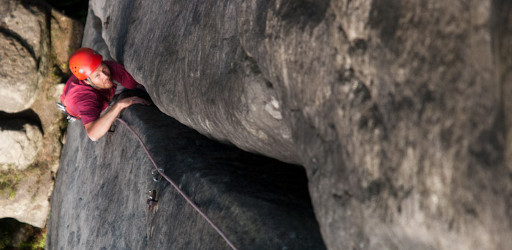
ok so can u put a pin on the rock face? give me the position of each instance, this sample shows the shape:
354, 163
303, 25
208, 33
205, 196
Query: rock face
29, 203
30, 126
20, 143
99, 199
396, 109
216, 87
26, 22
19, 76
22, 31
67, 34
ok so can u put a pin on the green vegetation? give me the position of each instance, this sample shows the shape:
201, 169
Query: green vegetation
42, 242
4, 240
8, 182
35, 244
17, 235
12, 194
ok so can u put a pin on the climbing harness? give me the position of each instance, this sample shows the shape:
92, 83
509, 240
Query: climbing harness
159, 171
65, 111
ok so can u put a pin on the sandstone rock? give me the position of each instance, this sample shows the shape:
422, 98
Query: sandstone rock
20, 144
30, 202
29, 93
99, 199
19, 75
25, 22
25, 38
68, 33
396, 109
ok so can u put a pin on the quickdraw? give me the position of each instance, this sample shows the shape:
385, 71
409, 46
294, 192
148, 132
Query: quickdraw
159, 170
152, 200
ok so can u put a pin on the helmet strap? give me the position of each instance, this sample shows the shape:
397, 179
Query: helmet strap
92, 84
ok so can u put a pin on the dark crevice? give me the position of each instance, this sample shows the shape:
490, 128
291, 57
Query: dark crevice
488, 149
261, 17
46, 41
253, 65
303, 13
15, 234
124, 28
501, 33
76, 9
99, 43
384, 17
8, 120
42, 61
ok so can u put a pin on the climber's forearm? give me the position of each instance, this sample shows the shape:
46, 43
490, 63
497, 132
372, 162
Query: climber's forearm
96, 129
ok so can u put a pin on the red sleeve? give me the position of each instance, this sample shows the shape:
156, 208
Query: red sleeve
120, 74
89, 108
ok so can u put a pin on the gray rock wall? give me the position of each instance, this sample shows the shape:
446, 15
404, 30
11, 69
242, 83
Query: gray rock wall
396, 109
240, 98
100, 193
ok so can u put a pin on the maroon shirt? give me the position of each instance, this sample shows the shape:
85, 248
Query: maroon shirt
85, 102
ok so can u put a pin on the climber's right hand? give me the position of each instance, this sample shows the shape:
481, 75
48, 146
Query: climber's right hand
126, 102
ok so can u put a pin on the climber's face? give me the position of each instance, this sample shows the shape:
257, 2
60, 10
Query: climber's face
101, 77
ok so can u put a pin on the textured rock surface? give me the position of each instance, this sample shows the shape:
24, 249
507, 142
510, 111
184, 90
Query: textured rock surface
215, 86
19, 75
20, 143
68, 33
26, 22
30, 202
23, 36
99, 199
31, 129
397, 109
92, 35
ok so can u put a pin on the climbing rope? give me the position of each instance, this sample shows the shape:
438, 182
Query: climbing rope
176, 186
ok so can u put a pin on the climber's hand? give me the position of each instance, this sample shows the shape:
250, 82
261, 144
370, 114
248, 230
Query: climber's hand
126, 102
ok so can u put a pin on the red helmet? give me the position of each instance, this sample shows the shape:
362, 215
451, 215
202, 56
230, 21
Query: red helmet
83, 62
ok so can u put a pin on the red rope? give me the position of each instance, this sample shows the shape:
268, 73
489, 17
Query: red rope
176, 186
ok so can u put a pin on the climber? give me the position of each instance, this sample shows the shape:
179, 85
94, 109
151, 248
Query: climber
89, 91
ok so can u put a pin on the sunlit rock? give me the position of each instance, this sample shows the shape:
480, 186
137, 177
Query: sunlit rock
20, 142
18, 69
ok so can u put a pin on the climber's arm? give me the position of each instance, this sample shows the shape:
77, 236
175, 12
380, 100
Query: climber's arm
96, 129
